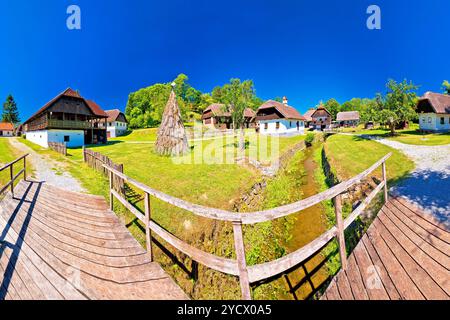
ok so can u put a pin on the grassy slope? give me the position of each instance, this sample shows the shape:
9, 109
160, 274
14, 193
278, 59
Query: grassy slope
350, 155
408, 136
8, 154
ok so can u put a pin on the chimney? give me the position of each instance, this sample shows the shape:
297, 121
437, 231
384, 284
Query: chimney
285, 100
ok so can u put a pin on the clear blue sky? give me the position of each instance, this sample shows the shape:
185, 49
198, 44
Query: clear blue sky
306, 50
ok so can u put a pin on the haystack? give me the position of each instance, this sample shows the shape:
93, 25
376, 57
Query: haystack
172, 139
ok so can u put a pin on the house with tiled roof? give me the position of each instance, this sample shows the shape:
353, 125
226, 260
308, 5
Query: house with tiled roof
274, 117
321, 118
217, 116
348, 118
6, 129
117, 123
434, 112
68, 118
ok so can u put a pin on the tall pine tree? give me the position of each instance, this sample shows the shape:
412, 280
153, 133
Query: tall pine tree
10, 111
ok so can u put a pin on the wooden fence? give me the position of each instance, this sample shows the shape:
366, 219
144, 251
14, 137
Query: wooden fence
238, 267
58, 147
99, 162
13, 177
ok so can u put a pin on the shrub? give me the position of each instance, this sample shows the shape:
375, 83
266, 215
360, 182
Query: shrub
309, 139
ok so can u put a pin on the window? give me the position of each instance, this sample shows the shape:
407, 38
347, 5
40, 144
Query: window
442, 120
266, 126
66, 138
429, 119
423, 120
277, 126
290, 124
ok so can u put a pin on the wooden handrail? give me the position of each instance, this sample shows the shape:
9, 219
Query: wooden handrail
238, 267
252, 217
14, 177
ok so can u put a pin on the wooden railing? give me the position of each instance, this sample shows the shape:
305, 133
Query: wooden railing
14, 177
58, 147
238, 267
69, 124
98, 162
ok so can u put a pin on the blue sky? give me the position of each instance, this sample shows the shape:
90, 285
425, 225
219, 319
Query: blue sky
306, 50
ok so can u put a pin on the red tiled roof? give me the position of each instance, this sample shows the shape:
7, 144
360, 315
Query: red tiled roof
347, 116
249, 113
308, 114
288, 112
95, 108
114, 114
6, 126
439, 102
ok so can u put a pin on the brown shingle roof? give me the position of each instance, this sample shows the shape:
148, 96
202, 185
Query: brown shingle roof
6, 126
219, 110
114, 114
347, 116
288, 112
95, 108
320, 112
439, 102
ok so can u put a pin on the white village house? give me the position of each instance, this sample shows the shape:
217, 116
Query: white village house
348, 118
278, 118
6, 129
117, 123
434, 112
68, 118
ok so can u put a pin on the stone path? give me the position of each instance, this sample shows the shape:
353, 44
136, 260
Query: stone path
47, 170
429, 184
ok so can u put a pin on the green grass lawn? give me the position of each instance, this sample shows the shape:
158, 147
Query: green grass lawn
8, 154
408, 136
351, 155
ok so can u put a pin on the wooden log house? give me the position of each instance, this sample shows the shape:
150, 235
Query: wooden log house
68, 118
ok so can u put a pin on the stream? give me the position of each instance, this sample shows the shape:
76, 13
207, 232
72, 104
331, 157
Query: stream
309, 224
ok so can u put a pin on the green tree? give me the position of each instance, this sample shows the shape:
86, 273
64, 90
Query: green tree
10, 111
237, 97
446, 87
333, 107
370, 111
398, 104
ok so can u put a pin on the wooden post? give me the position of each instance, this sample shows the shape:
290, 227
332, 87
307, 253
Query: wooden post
340, 231
242, 264
84, 153
385, 182
148, 232
111, 196
11, 173
25, 169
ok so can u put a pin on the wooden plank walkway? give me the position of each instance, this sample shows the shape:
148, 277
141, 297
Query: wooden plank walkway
405, 254
56, 244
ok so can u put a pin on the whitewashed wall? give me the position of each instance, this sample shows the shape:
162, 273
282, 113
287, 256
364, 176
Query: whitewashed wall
432, 121
42, 138
117, 128
286, 126
6, 133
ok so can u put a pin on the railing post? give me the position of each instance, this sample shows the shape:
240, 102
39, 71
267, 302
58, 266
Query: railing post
242, 264
84, 153
383, 165
25, 168
340, 230
11, 173
148, 232
111, 196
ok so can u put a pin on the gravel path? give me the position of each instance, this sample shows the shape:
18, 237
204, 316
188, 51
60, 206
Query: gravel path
48, 170
429, 184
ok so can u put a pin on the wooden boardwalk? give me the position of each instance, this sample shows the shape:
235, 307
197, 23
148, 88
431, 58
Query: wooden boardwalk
56, 244
405, 254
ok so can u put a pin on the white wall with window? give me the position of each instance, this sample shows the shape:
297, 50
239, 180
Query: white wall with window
434, 122
281, 126
116, 128
72, 138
